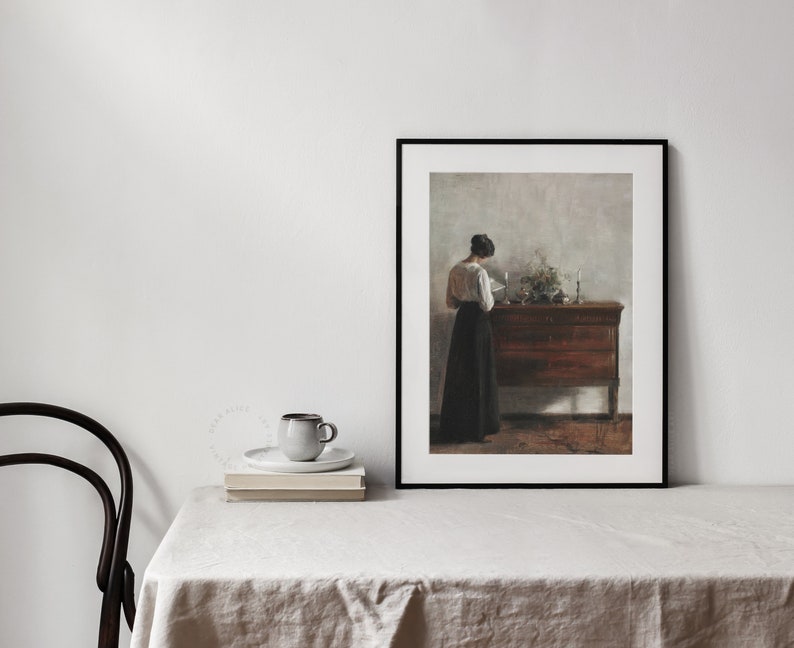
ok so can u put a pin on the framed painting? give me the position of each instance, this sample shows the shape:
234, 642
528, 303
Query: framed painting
532, 305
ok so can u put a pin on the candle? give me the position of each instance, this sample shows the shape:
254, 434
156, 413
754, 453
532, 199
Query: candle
579, 274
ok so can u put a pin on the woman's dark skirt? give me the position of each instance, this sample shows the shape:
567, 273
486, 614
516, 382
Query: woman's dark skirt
470, 407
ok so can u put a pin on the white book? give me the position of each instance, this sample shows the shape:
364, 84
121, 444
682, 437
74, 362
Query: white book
295, 494
249, 477
495, 285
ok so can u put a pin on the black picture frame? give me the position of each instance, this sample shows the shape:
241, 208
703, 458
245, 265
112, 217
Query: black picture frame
615, 193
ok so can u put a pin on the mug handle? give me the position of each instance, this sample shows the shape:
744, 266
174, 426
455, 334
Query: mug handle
333, 432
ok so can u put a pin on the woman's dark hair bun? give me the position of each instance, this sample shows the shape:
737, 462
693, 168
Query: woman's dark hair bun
482, 246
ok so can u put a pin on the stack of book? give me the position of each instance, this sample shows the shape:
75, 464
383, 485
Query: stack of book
251, 485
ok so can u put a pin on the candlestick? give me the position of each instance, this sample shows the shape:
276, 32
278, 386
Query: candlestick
578, 299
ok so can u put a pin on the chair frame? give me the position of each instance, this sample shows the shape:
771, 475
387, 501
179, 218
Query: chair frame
114, 576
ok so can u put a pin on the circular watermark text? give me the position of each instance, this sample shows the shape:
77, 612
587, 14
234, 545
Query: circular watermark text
233, 431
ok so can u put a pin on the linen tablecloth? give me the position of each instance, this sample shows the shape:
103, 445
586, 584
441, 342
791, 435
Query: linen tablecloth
687, 566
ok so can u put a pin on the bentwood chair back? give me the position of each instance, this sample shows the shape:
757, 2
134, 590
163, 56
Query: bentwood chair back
114, 576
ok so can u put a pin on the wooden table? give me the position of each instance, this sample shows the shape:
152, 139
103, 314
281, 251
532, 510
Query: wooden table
556, 345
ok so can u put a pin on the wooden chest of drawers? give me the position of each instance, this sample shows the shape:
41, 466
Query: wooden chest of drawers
551, 345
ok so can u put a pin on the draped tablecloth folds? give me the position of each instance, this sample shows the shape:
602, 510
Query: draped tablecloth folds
686, 566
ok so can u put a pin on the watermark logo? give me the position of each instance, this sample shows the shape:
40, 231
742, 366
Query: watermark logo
233, 431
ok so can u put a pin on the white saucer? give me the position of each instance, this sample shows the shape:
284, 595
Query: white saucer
274, 460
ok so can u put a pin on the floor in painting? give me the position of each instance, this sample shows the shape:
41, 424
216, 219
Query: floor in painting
548, 434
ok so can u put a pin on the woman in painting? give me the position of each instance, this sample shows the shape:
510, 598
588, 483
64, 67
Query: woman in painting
470, 406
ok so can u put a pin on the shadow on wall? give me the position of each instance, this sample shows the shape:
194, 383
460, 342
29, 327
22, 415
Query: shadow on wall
682, 351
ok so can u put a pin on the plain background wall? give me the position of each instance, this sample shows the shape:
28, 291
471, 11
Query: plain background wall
197, 226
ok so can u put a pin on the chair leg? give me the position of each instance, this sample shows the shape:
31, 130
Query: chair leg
128, 598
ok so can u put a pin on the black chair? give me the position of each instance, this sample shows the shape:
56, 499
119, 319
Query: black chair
114, 576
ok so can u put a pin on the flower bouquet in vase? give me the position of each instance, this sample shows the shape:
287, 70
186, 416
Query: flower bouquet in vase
542, 283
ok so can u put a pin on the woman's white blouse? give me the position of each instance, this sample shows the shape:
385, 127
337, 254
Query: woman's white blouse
469, 282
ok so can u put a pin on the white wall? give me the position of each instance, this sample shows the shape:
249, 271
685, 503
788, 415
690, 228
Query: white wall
197, 214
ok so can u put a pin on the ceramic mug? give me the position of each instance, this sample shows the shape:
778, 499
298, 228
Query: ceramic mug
301, 436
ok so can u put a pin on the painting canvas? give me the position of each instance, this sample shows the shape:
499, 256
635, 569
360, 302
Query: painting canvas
526, 268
